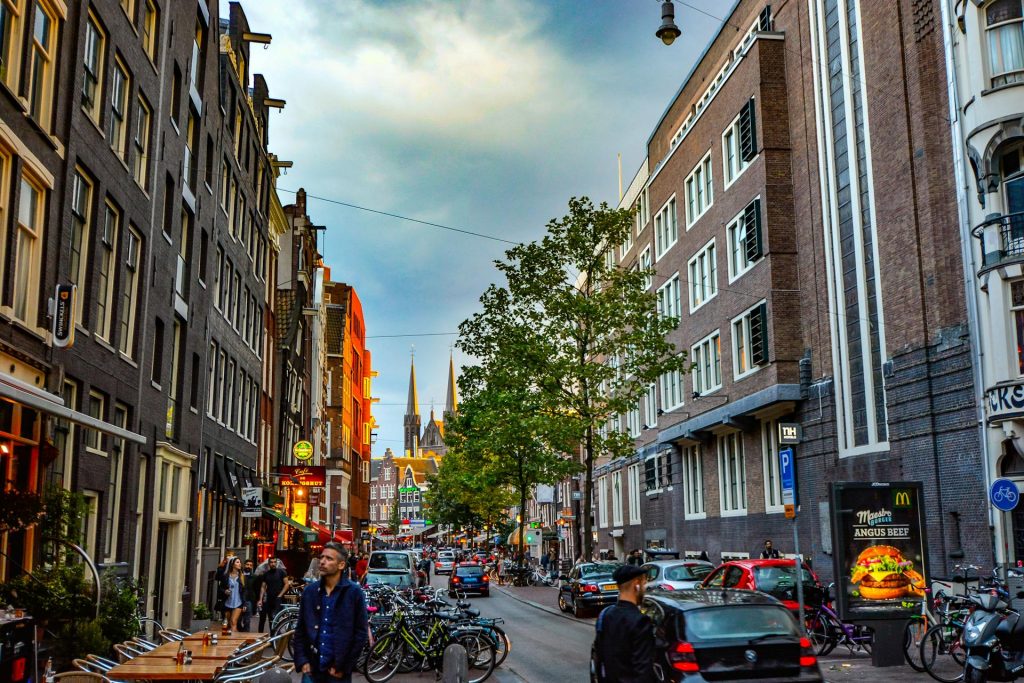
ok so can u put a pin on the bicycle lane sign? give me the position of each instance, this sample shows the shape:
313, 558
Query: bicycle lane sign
1004, 495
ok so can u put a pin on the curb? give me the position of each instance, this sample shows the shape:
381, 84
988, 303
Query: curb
537, 605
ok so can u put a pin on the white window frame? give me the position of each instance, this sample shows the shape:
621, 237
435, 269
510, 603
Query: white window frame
651, 406
735, 232
693, 483
740, 332
633, 475
772, 477
617, 519
703, 265
732, 469
670, 299
643, 214
646, 264
602, 501
993, 41
731, 142
701, 364
699, 189
671, 384
666, 228
633, 421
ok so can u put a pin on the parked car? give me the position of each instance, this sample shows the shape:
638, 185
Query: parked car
393, 562
445, 562
469, 577
728, 634
676, 574
588, 587
774, 577
389, 577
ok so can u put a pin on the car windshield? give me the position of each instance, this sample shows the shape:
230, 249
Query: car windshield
772, 579
605, 569
445, 555
469, 571
683, 572
389, 579
389, 561
740, 622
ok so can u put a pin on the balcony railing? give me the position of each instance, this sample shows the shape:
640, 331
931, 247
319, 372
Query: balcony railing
1002, 239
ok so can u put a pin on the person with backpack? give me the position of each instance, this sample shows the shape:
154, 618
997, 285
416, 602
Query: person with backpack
623, 650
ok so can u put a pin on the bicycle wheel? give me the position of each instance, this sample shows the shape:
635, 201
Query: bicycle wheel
939, 650
822, 633
383, 660
502, 643
480, 653
913, 637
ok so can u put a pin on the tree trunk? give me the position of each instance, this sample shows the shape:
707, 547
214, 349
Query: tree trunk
522, 514
588, 493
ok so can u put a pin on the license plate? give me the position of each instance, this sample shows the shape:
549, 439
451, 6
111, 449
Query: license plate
609, 587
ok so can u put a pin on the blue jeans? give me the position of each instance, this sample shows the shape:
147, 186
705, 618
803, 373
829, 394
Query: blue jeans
324, 678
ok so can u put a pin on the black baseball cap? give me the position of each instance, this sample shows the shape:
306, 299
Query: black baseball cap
627, 573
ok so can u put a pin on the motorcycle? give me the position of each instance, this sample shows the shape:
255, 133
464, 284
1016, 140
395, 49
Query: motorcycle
993, 640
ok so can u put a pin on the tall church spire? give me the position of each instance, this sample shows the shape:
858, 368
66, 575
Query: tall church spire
451, 405
412, 415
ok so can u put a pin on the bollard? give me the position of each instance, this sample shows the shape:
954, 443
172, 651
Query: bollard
455, 668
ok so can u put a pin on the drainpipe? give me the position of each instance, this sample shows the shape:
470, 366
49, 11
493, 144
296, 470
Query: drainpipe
969, 264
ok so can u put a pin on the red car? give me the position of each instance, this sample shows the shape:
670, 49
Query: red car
774, 577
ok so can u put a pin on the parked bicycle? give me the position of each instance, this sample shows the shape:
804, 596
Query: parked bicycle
827, 631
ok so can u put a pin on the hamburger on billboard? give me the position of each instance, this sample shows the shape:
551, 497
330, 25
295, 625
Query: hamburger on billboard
880, 549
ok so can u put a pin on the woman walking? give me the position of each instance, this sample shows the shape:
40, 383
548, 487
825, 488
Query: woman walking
231, 588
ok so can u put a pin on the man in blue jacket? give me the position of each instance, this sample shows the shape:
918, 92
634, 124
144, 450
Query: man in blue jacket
332, 628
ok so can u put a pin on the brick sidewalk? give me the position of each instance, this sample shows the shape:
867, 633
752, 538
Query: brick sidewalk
838, 666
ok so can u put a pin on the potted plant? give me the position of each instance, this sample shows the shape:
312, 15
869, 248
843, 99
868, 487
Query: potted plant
201, 617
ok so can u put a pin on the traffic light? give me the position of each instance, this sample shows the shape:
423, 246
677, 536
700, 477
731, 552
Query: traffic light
531, 537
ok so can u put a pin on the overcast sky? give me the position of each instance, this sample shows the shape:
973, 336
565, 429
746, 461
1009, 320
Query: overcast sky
481, 115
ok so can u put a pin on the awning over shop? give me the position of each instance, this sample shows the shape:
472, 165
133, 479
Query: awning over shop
234, 474
309, 535
418, 532
435, 534
45, 402
223, 480
340, 535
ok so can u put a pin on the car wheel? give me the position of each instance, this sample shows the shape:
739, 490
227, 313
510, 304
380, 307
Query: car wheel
561, 602
578, 611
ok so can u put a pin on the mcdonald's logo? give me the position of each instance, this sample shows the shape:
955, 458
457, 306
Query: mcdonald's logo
901, 499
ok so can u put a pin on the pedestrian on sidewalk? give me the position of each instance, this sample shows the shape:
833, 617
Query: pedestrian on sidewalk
361, 567
332, 627
769, 552
624, 645
544, 560
634, 557
231, 589
250, 596
275, 583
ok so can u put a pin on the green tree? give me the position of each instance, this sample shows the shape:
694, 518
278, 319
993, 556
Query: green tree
580, 335
463, 495
395, 518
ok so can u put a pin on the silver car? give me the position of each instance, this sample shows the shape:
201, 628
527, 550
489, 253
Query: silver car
676, 574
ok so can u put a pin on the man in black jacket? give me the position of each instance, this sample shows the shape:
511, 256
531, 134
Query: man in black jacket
332, 628
625, 640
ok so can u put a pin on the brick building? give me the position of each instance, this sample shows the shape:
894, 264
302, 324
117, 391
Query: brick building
761, 208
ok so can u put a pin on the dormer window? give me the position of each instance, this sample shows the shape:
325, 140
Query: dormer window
1004, 21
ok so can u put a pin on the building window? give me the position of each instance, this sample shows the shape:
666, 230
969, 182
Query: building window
174, 395
707, 364
643, 210
27, 258
633, 476
617, 498
703, 271
130, 292
772, 481
222, 365
190, 165
113, 511
143, 119
149, 29
95, 46
633, 420
10, 39
90, 521
699, 195
750, 341
602, 500
81, 220
646, 265
671, 390
211, 383
196, 66
666, 228
658, 470
693, 482
105, 271
1004, 20
1017, 311
732, 474
40, 73
739, 143
156, 372
745, 244
668, 299
95, 440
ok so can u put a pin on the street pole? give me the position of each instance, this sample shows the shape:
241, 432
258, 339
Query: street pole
799, 577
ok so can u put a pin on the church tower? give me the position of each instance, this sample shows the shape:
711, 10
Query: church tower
451, 405
412, 417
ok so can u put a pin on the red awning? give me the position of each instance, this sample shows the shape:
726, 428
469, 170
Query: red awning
340, 535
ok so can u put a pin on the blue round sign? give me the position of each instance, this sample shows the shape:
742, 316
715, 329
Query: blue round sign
1004, 494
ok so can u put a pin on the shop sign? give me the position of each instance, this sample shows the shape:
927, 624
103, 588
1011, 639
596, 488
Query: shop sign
302, 450
64, 316
1005, 402
314, 497
306, 475
879, 549
252, 501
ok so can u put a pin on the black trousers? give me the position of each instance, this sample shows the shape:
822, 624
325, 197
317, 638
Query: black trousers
271, 606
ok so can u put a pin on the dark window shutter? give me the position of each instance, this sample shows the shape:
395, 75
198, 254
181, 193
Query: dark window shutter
748, 131
759, 335
753, 244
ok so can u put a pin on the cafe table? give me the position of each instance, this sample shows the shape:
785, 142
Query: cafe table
162, 668
236, 638
221, 651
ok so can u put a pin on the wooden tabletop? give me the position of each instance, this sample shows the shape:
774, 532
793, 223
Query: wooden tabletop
161, 668
221, 651
236, 638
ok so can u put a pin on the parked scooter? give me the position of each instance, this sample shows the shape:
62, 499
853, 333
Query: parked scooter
993, 639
